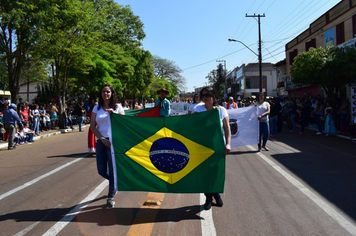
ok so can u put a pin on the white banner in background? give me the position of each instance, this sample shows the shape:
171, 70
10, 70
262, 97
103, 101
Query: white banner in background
179, 108
244, 126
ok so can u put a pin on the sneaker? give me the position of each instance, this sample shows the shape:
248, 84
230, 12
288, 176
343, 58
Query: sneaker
22, 143
207, 204
319, 133
28, 143
219, 201
265, 148
110, 203
17, 144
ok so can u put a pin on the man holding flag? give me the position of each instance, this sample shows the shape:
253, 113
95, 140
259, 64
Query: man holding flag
163, 103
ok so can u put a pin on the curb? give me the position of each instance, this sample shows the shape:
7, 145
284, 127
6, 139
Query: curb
5, 144
316, 130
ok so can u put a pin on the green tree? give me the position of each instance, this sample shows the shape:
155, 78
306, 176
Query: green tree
169, 70
107, 64
137, 86
65, 33
216, 79
17, 35
331, 68
118, 24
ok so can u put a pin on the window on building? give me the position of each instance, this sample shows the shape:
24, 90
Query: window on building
340, 33
310, 44
253, 82
292, 55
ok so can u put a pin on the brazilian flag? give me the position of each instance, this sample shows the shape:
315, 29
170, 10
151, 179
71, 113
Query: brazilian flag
177, 154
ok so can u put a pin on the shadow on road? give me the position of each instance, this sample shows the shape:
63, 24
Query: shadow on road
105, 217
326, 164
75, 155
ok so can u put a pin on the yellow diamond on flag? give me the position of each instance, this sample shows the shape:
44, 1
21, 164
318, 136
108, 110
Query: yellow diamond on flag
168, 155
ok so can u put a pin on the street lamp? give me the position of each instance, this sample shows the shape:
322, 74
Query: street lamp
259, 59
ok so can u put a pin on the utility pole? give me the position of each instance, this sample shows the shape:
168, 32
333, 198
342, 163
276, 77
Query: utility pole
259, 45
224, 75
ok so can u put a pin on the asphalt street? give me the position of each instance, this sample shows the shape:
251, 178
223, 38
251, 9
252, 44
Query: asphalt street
305, 185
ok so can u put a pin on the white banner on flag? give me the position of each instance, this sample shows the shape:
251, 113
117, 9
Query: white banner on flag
244, 126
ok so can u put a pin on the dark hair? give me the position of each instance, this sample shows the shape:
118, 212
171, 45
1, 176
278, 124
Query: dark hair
195, 96
113, 98
212, 92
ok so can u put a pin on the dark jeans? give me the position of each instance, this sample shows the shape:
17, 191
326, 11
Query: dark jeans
273, 122
264, 131
103, 161
29, 137
80, 122
320, 121
209, 196
70, 122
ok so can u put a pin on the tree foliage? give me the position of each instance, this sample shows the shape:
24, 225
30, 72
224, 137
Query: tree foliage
216, 79
331, 68
169, 70
76, 46
17, 35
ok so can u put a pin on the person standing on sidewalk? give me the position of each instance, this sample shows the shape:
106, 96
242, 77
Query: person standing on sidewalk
100, 126
10, 118
79, 110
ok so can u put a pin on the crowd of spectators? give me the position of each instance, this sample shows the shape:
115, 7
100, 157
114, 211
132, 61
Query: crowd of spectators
329, 119
39, 117
316, 112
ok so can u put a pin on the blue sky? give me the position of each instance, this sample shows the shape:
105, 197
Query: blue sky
194, 34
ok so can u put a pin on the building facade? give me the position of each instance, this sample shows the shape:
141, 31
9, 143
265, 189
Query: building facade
244, 81
337, 27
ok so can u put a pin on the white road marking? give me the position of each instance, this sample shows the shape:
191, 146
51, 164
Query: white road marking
28, 229
321, 203
2, 196
207, 223
55, 229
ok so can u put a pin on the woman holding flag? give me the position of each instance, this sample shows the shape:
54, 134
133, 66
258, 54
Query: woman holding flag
207, 96
100, 125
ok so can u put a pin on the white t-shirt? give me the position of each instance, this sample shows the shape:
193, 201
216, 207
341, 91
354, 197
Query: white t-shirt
201, 107
223, 113
262, 108
193, 105
23, 133
103, 119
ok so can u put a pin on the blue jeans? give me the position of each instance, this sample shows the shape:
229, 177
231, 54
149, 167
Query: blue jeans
29, 137
273, 122
70, 122
264, 131
64, 122
36, 125
80, 122
103, 161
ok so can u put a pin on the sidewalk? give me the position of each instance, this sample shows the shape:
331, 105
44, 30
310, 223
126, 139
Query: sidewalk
315, 128
46, 134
